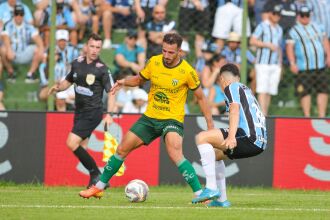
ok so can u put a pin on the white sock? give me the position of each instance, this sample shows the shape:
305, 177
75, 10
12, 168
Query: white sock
197, 193
208, 162
100, 185
221, 179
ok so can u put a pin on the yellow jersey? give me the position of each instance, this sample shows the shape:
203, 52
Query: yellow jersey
169, 88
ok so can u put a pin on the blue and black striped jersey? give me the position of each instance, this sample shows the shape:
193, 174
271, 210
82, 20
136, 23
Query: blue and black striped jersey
251, 118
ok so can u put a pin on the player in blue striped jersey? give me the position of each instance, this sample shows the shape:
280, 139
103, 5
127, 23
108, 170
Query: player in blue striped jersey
17, 48
245, 137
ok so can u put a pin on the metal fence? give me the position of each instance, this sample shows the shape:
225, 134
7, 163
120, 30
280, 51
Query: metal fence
21, 96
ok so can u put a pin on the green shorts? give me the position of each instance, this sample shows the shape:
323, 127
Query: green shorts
148, 129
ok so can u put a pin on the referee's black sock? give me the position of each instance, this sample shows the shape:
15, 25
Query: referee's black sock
87, 161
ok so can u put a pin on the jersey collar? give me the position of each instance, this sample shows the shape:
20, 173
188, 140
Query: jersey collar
172, 66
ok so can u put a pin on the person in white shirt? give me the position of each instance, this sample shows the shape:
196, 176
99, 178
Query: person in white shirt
138, 103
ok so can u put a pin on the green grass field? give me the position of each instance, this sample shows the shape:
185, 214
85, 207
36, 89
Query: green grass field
165, 202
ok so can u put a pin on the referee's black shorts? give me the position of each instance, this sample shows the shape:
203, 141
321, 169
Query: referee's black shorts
85, 122
245, 148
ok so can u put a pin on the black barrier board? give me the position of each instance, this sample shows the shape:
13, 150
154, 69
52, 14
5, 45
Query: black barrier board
255, 171
22, 146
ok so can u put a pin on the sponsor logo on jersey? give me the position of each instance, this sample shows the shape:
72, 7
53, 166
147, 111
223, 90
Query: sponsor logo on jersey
161, 97
175, 82
75, 75
84, 91
98, 65
161, 108
90, 79
80, 59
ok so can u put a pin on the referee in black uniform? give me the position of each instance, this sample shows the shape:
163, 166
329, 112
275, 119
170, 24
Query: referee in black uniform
90, 77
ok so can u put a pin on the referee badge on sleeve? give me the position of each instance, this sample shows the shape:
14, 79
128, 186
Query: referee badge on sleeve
90, 79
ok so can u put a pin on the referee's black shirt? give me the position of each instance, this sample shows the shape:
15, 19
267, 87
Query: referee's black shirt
89, 82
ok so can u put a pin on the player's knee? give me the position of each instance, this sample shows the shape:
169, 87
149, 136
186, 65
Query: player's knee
122, 152
72, 146
200, 138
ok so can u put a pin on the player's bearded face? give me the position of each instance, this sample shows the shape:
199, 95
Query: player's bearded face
170, 53
93, 49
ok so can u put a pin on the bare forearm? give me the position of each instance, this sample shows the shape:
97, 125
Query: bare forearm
6, 41
133, 81
111, 102
233, 120
205, 108
290, 54
64, 85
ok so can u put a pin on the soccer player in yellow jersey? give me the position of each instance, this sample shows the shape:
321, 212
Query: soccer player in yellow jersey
170, 78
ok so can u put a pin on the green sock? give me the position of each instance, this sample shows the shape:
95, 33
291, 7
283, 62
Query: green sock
111, 168
189, 174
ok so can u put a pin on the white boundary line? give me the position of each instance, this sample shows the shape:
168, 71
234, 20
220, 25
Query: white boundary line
232, 193
162, 207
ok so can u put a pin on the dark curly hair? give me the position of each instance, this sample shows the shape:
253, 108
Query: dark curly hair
173, 38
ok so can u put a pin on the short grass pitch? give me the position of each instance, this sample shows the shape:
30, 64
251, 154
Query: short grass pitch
165, 202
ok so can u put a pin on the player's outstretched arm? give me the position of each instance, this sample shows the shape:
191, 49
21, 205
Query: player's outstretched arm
63, 85
204, 106
130, 81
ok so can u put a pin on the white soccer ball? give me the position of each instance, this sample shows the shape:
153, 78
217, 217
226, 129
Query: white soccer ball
136, 191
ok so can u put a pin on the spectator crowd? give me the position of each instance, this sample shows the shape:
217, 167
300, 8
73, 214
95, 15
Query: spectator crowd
283, 34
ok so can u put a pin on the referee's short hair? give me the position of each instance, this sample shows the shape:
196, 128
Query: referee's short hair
95, 37
173, 38
231, 68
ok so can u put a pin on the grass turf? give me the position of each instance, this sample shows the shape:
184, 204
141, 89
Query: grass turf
164, 202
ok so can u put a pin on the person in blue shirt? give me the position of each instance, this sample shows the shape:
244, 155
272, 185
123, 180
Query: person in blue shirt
245, 137
232, 50
216, 98
7, 12
308, 52
17, 48
156, 29
64, 20
144, 9
129, 55
209, 49
268, 37
65, 54
232, 53
122, 14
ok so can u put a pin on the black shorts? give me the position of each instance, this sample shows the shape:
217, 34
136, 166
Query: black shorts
86, 122
307, 81
192, 19
124, 22
245, 147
